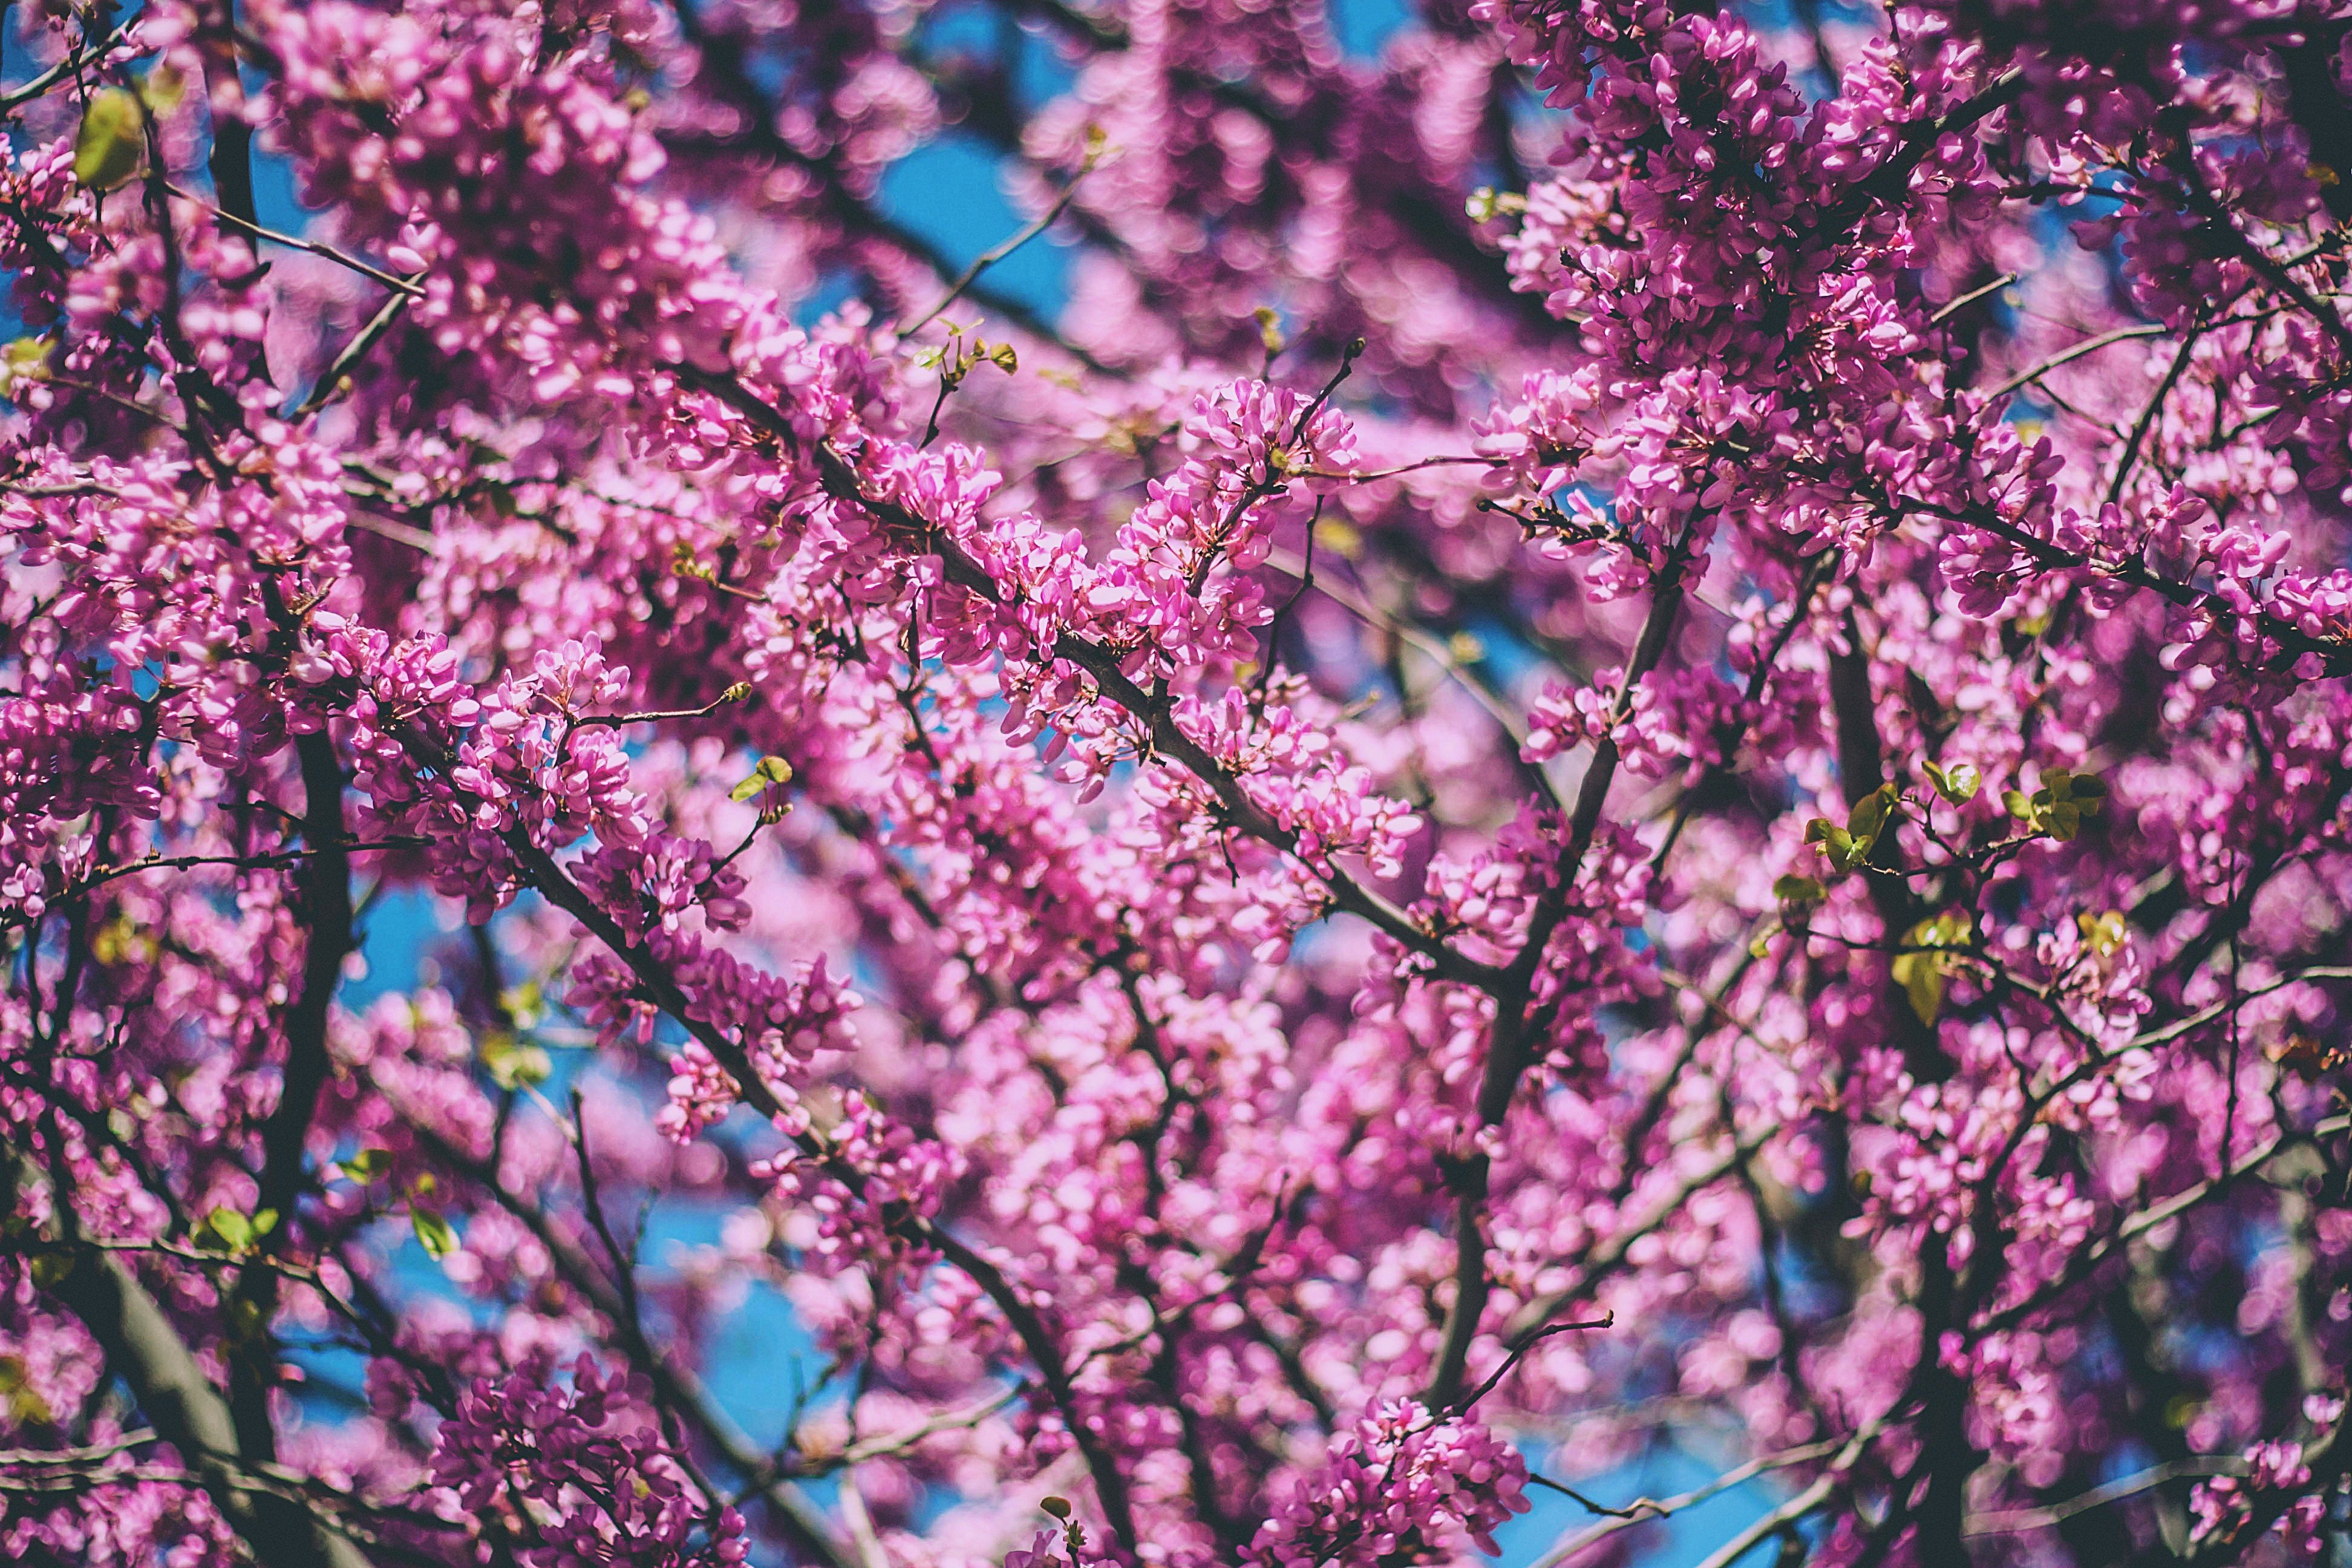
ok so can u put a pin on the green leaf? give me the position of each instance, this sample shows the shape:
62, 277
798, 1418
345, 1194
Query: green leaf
1870, 815
2062, 803
2103, 934
1958, 784
1850, 846
1844, 852
163, 89
770, 772
515, 1064
24, 1404
367, 1165
1269, 330
433, 1233
28, 359
113, 142
1921, 975
1951, 929
225, 1230
1798, 890
524, 1003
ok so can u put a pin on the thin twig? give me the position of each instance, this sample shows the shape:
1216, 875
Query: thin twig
1970, 297
1518, 1352
2018, 1522
331, 385
69, 66
2075, 351
398, 284
1002, 248
1644, 1509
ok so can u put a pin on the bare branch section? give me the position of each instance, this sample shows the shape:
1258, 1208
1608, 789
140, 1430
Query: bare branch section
147, 1352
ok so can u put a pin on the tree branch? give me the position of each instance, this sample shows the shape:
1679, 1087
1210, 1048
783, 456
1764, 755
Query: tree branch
144, 1351
663, 990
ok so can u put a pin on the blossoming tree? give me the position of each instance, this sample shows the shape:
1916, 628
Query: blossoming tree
1632, 734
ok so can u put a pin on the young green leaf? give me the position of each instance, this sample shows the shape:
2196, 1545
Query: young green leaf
1923, 970
366, 1165
27, 359
225, 1230
2103, 934
1850, 846
2061, 805
113, 142
434, 1232
1958, 784
1921, 975
1845, 852
1871, 814
515, 1064
770, 772
1269, 330
1803, 891
25, 1406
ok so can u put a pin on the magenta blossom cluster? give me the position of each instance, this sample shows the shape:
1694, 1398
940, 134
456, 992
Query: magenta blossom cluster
1615, 727
609, 1491
1394, 1489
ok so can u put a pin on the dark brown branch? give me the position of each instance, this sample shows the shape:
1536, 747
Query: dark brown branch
1862, 771
840, 480
662, 989
232, 156
675, 1387
325, 905
144, 1350
2336, 655
1509, 1045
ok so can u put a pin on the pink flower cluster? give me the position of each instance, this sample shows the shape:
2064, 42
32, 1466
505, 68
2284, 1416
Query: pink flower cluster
1628, 728
609, 1491
1400, 1487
